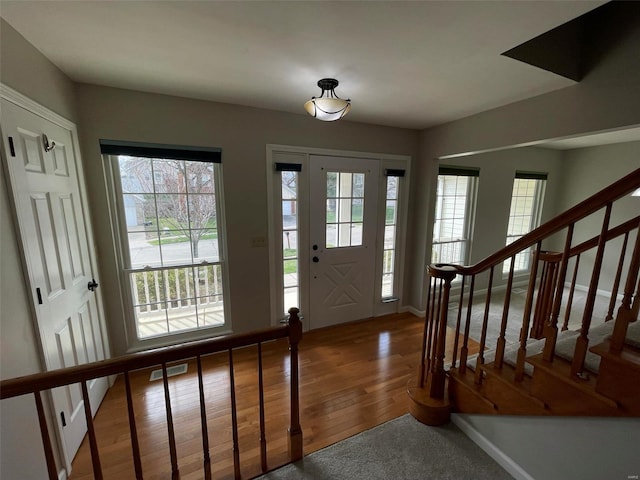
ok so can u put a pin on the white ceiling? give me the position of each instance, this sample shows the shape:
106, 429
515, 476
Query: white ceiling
405, 64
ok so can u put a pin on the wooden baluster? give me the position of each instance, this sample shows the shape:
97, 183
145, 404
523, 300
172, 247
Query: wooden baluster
616, 282
263, 438
538, 313
464, 351
457, 334
432, 315
526, 319
91, 433
552, 328
425, 334
547, 304
483, 335
175, 474
135, 447
295, 432
234, 418
635, 309
567, 313
437, 378
627, 312
436, 328
505, 315
203, 422
582, 342
46, 440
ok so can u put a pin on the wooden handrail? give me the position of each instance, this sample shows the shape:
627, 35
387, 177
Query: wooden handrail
592, 204
549, 295
135, 361
593, 242
81, 374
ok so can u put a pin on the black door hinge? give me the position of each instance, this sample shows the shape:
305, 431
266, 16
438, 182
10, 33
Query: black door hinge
64, 421
11, 147
39, 296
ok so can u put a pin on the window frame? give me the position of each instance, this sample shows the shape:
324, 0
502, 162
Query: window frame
473, 175
111, 150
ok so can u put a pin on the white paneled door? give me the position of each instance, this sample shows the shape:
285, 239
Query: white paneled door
343, 215
42, 168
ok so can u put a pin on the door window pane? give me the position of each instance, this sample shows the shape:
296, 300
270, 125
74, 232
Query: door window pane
345, 209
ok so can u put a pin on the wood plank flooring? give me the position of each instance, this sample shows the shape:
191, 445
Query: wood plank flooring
352, 378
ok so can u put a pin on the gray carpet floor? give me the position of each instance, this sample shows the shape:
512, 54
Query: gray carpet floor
516, 313
401, 449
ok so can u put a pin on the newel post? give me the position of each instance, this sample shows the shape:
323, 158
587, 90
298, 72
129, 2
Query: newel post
436, 375
295, 432
428, 399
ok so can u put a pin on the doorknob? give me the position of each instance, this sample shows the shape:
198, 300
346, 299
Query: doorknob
92, 285
315, 259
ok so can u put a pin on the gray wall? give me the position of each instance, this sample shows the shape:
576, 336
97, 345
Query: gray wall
24, 69
607, 98
556, 448
243, 134
495, 186
583, 173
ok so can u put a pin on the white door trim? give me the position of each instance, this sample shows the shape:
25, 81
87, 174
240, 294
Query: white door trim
388, 161
28, 104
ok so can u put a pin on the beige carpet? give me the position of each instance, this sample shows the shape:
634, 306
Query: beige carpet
401, 449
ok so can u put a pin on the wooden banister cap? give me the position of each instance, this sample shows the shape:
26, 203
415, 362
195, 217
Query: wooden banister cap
443, 270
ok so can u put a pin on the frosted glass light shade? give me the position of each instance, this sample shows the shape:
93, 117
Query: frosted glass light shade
327, 109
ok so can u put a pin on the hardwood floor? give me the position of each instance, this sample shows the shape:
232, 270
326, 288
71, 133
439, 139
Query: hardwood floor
352, 378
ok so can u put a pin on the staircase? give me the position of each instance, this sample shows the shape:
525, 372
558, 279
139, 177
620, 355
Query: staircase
557, 364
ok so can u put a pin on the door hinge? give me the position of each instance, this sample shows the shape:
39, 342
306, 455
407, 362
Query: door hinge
11, 147
39, 296
64, 421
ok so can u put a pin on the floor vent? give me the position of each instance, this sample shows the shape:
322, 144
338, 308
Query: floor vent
171, 372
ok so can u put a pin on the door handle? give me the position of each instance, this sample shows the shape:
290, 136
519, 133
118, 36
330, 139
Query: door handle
315, 259
92, 285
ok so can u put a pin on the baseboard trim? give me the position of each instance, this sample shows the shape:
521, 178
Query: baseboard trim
413, 310
604, 293
491, 449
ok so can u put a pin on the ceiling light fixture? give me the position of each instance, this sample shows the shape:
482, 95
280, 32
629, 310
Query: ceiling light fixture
328, 108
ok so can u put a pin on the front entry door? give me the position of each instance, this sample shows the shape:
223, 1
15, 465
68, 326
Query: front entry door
44, 182
343, 214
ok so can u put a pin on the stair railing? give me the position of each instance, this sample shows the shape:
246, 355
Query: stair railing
544, 297
38, 383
